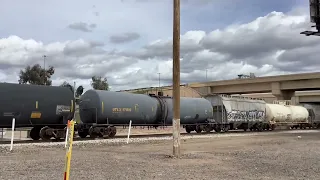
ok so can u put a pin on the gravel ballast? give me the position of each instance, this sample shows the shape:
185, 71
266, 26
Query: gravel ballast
289, 155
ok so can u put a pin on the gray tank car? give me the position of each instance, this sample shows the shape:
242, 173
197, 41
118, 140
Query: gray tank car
101, 111
314, 114
45, 108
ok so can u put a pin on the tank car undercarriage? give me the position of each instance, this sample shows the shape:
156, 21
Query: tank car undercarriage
95, 130
47, 132
102, 130
305, 126
261, 126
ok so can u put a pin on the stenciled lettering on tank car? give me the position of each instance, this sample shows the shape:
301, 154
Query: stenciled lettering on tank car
119, 110
252, 115
62, 109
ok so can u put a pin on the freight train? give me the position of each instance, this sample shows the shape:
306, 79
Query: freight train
47, 108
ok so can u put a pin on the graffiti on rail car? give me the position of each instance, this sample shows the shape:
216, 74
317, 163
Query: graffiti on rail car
244, 109
252, 115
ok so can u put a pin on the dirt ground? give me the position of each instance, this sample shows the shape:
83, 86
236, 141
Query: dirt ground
266, 156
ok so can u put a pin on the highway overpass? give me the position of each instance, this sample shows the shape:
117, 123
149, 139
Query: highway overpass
295, 87
299, 97
282, 87
167, 91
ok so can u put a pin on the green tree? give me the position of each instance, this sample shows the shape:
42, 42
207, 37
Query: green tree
67, 85
99, 83
36, 75
79, 90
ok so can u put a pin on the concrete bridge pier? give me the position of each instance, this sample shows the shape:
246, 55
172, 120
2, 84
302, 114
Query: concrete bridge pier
281, 94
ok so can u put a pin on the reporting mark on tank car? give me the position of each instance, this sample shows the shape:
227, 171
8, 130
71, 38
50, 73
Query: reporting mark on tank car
118, 110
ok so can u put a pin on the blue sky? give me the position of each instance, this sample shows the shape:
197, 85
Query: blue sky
226, 12
47, 20
144, 28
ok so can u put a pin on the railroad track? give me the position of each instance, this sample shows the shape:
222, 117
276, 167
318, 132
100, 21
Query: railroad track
30, 141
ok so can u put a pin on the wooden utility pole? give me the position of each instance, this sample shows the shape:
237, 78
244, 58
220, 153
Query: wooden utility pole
176, 79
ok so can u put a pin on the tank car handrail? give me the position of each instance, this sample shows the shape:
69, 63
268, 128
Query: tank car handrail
283, 102
234, 96
246, 97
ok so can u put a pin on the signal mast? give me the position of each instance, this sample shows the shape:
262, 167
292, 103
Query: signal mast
314, 18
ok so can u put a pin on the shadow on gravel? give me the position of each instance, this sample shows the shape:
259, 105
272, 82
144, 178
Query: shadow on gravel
195, 155
269, 142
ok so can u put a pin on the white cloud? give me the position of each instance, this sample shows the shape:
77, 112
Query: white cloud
268, 45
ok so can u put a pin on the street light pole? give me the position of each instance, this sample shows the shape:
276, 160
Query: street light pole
176, 79
159, 81
44, 67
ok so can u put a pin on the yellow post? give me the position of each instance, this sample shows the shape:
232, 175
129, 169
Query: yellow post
69, 149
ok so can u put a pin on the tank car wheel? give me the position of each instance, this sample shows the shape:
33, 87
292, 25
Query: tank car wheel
92, 133
272, 127
34, 133
100, 135
188, 130
112, 131
93, 136
226, 128
207, 129
56, 135
259, 127
198, 129
43, 133
83, 134
217, 129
